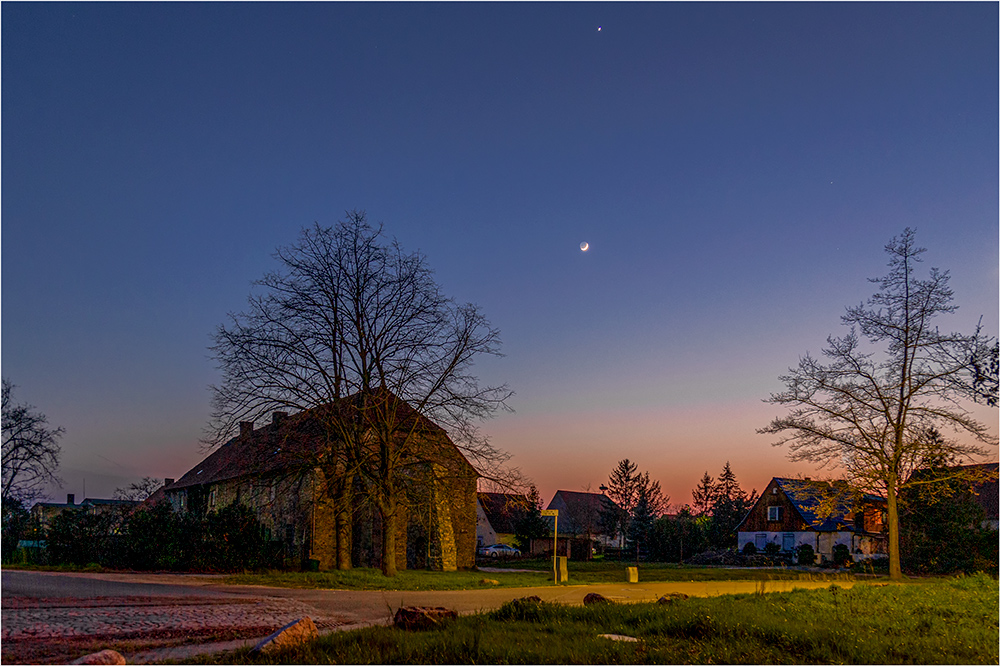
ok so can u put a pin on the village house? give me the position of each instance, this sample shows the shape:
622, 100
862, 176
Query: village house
582, 526
272, 469
43, 513
793, 512
496, 517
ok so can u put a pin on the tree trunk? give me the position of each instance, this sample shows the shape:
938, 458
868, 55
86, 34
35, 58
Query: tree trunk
389, 540
345, 533
892, 511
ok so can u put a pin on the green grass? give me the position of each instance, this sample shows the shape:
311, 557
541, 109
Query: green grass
93, 567
372, 579
579, 573
943, 621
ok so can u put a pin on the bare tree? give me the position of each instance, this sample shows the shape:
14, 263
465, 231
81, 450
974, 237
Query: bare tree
30, 450
985, 385
887, 382
139, 490
355, 326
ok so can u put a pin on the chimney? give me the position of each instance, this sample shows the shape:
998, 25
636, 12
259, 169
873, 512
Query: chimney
168, 482
278, 417
70, 497
246, 428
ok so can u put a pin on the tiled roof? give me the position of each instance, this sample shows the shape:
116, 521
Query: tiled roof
107, 502
90, 501
290, 442
825, 506
503, 510
579, 511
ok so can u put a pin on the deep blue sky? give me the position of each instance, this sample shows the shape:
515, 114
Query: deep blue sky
736, 168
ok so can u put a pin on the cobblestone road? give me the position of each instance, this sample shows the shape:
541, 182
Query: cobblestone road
132, 617
57, 630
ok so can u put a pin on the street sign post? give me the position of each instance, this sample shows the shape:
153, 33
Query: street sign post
555, 542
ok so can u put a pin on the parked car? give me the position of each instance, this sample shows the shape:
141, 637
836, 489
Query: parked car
499, 550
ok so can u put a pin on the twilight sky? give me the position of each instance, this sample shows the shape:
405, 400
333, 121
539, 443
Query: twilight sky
736, 169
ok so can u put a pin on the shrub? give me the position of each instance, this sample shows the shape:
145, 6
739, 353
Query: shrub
16, 520
771, 549
79, 537
749, 549
234, 539
842, 554
806, 554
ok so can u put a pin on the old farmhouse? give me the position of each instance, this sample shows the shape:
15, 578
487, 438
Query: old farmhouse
792, 512
582, 523
272, 469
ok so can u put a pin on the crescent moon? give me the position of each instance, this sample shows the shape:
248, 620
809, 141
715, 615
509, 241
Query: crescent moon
584, 246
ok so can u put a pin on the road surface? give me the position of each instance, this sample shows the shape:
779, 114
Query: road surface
55, 616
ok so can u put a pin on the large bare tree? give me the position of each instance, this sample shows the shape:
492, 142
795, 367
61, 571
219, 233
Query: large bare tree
30, 450
355, 326
885, 384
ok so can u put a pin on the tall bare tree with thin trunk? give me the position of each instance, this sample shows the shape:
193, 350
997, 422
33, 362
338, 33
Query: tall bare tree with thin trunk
888, 381
30, 450
355, 326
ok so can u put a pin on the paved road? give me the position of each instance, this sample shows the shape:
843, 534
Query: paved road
43, 584
52, 616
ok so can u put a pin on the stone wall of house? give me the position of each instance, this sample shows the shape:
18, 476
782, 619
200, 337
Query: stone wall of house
283, 506
462, 498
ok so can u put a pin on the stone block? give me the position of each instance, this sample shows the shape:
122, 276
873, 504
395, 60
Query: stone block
671, 598
561, 569
102, 657
595, 598
422, 617
292, 634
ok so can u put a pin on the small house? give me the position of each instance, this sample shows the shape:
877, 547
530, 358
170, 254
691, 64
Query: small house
45, 512
583, 523
793, 512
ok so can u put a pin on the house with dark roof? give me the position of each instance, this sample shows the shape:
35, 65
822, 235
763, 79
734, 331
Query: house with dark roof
496, 516
793, 512
274, 469
45, 512
582, 523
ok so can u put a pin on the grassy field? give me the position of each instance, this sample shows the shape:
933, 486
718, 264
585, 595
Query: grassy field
579, 572
937, 622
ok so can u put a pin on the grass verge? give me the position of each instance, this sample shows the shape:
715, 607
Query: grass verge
944, 621
579, 573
